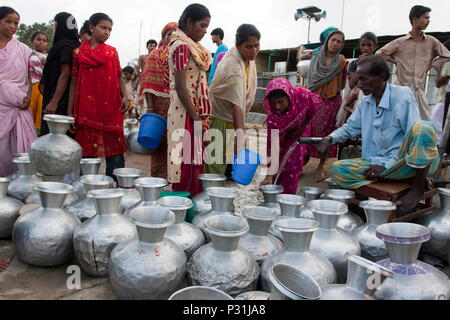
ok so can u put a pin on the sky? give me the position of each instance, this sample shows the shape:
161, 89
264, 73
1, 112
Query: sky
274, 18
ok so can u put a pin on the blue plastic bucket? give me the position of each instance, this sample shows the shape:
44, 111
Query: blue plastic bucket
152, 130
245, 166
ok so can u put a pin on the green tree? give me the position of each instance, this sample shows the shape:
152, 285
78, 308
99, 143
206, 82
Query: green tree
25, 32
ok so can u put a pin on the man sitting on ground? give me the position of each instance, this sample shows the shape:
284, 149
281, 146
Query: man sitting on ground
396, 144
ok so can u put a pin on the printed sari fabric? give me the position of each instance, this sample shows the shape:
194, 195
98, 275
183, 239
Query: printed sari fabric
418, 150
185, 54
303, 105
17, 130
37, 62
97, 101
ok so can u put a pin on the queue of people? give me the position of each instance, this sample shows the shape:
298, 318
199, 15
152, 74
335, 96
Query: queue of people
84, 79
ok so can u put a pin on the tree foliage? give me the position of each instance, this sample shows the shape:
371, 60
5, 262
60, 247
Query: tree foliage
25, 32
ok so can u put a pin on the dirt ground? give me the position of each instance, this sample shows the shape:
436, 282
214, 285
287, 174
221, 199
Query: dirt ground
22, 281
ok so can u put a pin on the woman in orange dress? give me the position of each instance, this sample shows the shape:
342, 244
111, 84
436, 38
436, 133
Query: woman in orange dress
98, 97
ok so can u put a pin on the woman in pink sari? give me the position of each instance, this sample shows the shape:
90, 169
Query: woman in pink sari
289, 110
17, 130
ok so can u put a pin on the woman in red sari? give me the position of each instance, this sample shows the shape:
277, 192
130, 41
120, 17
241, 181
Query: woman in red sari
154, 87
98, 98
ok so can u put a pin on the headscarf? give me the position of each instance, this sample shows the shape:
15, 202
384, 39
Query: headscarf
200, 54
319, 73
66, 38
302, 101
155, 77
323, 38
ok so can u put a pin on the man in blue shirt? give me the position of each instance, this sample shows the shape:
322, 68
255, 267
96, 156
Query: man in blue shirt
396, 144
217, 36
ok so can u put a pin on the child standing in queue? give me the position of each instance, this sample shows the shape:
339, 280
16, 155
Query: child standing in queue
98, 97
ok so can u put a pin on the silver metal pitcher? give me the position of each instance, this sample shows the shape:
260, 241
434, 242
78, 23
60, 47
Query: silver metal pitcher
150, 189
132, 135
297, 234
413, 279
43, 237
290, 207
221, 204
330, 241
202, 201
149, 267
94, 239
22, 186
34, 197
185, 235
55, 154
258, 241
126, 178
9, 210
377, 213
311, 193
222, 264
87, 166
289, 283
364, 277
438, 221
84, 208
350, 220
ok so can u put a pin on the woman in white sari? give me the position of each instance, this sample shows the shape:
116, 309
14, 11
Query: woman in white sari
232, 94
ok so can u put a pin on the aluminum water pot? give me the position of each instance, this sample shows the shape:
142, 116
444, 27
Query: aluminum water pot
364, 277
150, 189
311, 194
126, 178
331, 184
348, 221
413, 279
290, 208
222, 264
94, 239
84, 208
87, 166
131, 125
200, 293
149, 267
331, 241
289, 283
132, 139
9, 210
377, 213
221, 204
43, 237
297, 234
438, 221
34, 197
258, 241
202, 201
22, 186
185, 235
270, 193
55, 154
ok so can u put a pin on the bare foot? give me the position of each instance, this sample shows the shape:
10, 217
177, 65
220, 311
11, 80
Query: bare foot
4, 264
320, 176
409, 201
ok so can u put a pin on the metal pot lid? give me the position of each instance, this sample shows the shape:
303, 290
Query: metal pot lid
271, 189
127, 172
227, 226
176, 203
222, 192
339, 194
403, 233
212, 177
260, 213
328, 207
151, 182
378, 205
59, 119
369, 265
152, 217
105, 194
53, 187
291, 199
296, 225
